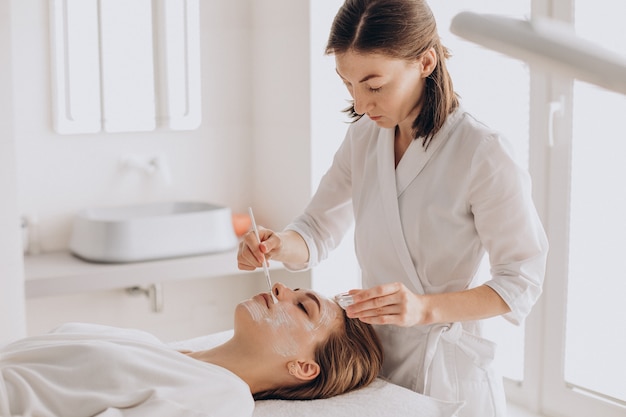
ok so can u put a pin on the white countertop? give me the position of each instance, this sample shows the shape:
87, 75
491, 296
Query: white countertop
60, 273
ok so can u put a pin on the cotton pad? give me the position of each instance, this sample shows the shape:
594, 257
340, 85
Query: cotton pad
344, 300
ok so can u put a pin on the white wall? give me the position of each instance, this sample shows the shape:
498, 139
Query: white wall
280, 80
253, 148
329, 96
12, 320
298, 123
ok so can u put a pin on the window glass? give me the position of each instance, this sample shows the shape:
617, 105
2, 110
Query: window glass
595, 331
495, 89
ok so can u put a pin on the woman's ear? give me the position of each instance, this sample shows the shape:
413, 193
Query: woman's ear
429, 62
304, 370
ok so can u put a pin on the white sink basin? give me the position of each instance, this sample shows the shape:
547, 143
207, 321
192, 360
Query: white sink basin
151, 231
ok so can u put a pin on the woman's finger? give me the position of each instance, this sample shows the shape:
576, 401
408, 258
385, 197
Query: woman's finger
376, 292
252, 253
388, 304
390, 314
383, 319
371, 304
249, 257
375, 297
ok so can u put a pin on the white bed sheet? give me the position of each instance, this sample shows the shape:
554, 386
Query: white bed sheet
380, 399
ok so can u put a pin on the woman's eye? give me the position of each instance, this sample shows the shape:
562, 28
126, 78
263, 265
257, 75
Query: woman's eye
375, 90
301, 306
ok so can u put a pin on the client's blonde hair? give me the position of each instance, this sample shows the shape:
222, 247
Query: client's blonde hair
350, 358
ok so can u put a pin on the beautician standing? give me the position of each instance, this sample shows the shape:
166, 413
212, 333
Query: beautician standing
430, 189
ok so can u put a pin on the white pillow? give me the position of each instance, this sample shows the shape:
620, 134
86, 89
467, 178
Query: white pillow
379, 399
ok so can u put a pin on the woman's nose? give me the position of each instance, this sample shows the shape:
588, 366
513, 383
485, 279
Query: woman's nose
359, 108
360, 103
280, 291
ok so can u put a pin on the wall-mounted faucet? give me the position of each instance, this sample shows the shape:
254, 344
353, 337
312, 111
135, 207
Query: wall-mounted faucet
150, 165
154, 292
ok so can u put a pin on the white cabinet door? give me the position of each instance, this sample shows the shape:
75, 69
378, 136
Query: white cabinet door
125, 66
180, 78
127, 61
75, 66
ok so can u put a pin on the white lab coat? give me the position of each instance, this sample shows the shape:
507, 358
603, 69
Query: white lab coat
89, 370
427, 224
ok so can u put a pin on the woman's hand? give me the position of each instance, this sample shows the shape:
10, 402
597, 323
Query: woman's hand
395, 304
252, 252
389, 304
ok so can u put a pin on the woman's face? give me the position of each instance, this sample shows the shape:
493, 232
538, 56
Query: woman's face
293, 326
387, 90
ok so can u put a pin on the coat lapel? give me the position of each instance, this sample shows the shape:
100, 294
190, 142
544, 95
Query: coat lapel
394, 181
388, 187
413, 162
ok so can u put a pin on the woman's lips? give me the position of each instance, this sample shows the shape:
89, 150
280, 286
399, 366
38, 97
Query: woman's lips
266, 298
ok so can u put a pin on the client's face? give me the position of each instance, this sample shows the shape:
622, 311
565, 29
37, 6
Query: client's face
292, 327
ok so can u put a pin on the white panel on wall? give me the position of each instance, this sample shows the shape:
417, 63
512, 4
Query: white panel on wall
181, 61
122, 66
12, 313
127, 61
75, 66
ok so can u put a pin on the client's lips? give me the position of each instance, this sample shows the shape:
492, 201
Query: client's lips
266, 297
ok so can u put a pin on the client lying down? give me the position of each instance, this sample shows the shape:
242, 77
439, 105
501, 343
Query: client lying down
302, 347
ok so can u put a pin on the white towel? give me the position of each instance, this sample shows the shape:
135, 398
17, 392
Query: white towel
380, 399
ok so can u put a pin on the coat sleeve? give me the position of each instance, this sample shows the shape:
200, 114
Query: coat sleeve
509, 227
329, 214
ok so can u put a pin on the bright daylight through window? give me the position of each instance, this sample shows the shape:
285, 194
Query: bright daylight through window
596, 330
576, 362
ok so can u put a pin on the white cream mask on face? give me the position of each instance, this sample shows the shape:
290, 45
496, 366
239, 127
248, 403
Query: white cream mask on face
327, 315
283, 326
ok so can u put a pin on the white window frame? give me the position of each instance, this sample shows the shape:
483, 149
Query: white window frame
544, 389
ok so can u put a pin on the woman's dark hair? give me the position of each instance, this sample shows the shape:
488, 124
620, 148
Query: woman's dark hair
402, 29
350, 358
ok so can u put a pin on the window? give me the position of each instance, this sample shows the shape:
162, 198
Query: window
595, 333
568, 359
595, 340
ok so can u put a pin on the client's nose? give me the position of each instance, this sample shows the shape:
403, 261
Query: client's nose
279, 290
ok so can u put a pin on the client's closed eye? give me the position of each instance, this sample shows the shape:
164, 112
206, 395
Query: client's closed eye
311, 309
303, 308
